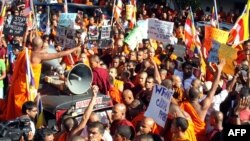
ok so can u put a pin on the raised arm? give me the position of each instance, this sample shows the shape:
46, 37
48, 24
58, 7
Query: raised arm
156, 71
208, 100
87, 112
50, 56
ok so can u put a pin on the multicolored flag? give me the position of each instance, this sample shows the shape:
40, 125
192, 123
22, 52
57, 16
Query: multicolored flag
118, 10
191, 37
133, 18
240, 31
40, 115
214, 22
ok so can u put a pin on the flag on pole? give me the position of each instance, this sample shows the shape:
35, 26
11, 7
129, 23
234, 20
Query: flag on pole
3, 12
30, 80
40, 115
65, 6
118, 10
214, 22
240, 31
191, 37
133, 18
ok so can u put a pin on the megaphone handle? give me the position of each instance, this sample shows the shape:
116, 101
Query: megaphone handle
76, 76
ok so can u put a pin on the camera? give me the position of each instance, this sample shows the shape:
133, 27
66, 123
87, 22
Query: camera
13, 130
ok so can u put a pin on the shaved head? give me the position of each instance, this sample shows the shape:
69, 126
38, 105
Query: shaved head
118, 112
127, 97
37, 43
193, 93
149, 121
93, 117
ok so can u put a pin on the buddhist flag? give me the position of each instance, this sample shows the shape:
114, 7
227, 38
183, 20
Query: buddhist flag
3, 12
214, 22
191, 37
240, 31
118, 10
133, 18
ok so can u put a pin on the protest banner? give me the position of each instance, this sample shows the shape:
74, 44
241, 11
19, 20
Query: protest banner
65, 37
159, 104
134, 37
105, 32
213, 54
93, 33
230, 54
67, 19
15, 26
129, 11
212, 33
160, 30
143, 24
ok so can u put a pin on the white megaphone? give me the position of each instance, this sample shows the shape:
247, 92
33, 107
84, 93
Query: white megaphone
79, 79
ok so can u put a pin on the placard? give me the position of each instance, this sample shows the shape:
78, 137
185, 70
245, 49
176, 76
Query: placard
134, 37
67, 19
160, 30
212, 33
213, 54
143, 24
159, 104
105, 32
65, 37
230, 54
15, 26
93, 33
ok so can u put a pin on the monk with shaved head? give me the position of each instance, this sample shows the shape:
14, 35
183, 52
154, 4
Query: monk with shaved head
18, 93
119, 118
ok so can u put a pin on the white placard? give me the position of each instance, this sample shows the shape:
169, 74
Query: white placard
105, 33
159, 104
160, 30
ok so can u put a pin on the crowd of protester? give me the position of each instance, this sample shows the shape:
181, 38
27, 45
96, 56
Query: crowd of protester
201, 106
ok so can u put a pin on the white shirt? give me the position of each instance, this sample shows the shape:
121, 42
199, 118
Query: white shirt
187, 83
106, 136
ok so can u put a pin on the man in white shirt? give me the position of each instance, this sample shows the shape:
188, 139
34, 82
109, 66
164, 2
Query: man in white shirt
94, 118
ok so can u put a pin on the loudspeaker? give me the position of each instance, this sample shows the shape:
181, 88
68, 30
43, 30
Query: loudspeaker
79, 79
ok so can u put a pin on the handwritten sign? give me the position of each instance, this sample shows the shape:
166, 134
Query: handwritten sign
212, 33
213, 54
67, 19
159, 104
105, 32
230, 54
15, 26
134, 37
160, 30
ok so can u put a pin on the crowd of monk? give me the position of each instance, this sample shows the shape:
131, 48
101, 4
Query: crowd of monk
201, 106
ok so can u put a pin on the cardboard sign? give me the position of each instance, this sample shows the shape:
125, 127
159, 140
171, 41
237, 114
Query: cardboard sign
93, 33
105, 32
159, 104
230, 54
160, 30
213, 54
15, 26
67, 19
134, 37
212, 33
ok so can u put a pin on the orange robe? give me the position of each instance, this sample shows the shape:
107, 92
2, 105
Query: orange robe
63, 137
189, 134
156, 128
18, 93
200, 125
115, 95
